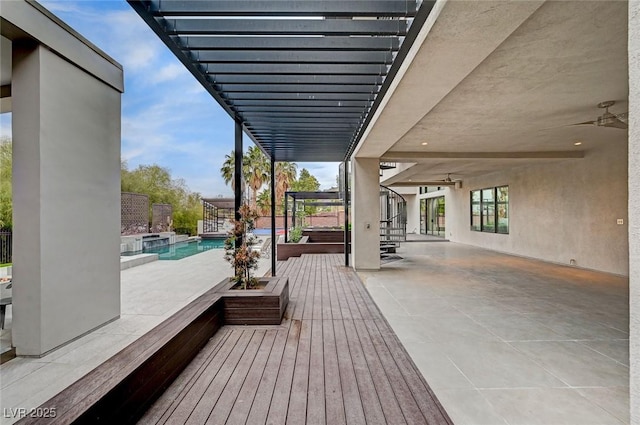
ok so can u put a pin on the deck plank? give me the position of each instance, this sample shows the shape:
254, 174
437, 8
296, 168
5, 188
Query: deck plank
191, 396
242, 404
297, 412
333, 395
315, 393
308, 263
334, 302
265, 390
277, 413
333, 360
392, 410
405, 398
369, 396
232, 393
208, 399
353, 409
168, 401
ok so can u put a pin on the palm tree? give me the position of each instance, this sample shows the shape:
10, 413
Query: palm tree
264, 202
256, 171
228, 171
285, 175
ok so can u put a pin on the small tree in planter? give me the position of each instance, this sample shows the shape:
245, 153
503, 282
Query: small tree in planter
243, 259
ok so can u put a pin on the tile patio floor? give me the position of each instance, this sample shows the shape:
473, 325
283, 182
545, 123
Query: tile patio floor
509, 340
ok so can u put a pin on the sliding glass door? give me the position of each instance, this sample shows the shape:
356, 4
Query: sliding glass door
432, 218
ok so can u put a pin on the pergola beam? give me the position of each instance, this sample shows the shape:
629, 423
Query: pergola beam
284, 56
321, 79
302, 96
302, 102
304, 27
343, 43
329, 8
295, 69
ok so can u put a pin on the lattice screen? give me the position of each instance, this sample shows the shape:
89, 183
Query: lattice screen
134, 213
162, 217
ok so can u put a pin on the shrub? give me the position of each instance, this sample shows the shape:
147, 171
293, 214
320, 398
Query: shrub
295, 235
243, 259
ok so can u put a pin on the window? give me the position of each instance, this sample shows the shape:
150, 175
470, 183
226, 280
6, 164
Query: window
475, 210
427, 189
423, 216
502, 209
490, 210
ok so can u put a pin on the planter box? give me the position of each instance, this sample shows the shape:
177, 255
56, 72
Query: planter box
255, 306
286, 250
324, 235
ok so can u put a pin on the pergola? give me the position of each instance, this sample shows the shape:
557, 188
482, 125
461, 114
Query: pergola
314, 199
301, 78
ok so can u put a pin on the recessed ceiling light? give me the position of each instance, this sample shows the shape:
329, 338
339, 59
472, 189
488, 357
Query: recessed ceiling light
577, 143
424, 143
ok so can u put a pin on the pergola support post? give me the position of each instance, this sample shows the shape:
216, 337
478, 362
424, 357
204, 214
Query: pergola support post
274, 236
237, 175
345, 201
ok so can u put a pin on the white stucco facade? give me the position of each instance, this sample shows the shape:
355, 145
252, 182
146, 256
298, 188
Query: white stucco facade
634, 209
365, 201
558, 212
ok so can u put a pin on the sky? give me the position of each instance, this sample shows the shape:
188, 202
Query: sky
167, 117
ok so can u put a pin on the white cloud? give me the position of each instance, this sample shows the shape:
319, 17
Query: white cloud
170, 72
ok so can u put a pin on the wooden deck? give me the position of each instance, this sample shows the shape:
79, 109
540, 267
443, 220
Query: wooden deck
334, 360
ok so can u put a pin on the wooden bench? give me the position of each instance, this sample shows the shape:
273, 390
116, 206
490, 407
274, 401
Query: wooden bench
121, 389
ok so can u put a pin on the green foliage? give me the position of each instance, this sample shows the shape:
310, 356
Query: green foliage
285, 175
264, 202
306, 182
243, 259
295, 235
152, 180
6, 209
255, 171
156, 182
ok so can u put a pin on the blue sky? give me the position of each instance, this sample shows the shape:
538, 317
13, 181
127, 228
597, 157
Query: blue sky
167, 117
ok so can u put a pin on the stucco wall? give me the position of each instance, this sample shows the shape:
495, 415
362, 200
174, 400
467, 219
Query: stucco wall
365, 202
634, 207
413, 220
66, 185
559, 211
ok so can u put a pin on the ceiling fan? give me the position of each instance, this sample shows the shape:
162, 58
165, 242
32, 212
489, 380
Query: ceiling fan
448, 179
607, 119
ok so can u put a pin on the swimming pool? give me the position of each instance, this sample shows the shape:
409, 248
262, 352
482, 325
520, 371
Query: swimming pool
182, 250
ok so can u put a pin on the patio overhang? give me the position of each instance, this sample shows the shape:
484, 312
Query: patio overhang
303, 78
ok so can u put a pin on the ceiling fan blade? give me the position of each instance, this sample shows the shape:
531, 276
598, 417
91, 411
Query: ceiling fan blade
623, 116
616, 123
586, 123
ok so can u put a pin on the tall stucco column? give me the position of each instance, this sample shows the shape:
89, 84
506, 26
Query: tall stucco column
66, 200
634, 208
365, 205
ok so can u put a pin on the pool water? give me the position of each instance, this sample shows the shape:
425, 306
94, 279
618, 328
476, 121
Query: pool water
182, 250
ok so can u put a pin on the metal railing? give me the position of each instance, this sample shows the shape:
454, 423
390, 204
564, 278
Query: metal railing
6, 239
393, 218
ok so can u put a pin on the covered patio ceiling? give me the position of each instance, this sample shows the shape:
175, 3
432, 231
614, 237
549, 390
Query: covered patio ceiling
476, 101
303, 77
